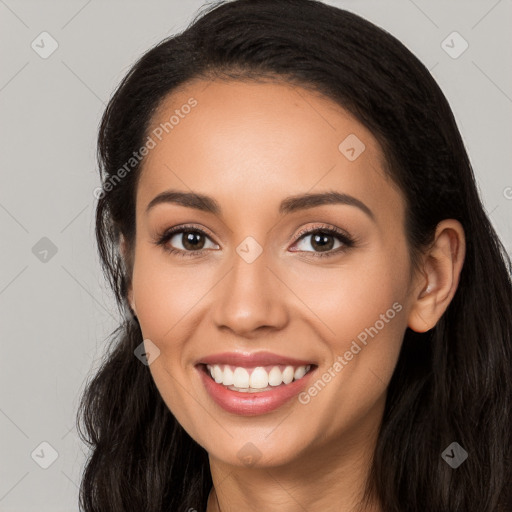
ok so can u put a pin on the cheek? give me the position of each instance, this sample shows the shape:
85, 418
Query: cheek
351, 297
359, 309
165, 293
362, 316
166, 299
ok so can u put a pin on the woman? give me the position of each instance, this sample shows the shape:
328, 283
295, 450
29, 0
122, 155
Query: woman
318, 310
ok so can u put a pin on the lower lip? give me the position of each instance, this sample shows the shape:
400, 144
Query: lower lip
251, 404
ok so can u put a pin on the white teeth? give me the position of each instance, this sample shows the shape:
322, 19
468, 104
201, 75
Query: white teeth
239, 379
259, 378
228, 379
275, 377
218, 374
288, 374
299, 372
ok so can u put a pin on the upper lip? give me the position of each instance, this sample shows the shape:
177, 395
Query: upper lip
247, 359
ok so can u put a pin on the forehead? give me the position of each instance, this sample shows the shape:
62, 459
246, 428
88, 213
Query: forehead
254, 143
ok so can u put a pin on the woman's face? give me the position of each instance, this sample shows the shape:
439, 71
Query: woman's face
256, 284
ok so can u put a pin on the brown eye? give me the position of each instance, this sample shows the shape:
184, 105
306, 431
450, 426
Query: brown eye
184, 241
324, 241
321, 241
191, 240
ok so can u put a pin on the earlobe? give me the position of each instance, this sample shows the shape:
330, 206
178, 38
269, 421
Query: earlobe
440, 277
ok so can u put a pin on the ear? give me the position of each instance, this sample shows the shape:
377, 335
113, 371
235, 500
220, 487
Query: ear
126, 258
440, 275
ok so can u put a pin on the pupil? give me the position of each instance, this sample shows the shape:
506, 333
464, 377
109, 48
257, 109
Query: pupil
189, 242
320, 241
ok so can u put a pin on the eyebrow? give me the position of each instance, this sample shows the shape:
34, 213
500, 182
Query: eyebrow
288, 205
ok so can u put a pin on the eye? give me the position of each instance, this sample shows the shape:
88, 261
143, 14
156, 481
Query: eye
323, 239
191, 239
194, 241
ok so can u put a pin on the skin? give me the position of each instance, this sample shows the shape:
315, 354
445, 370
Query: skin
249, 145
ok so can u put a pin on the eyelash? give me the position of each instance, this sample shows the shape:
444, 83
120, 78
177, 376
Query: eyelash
345, 239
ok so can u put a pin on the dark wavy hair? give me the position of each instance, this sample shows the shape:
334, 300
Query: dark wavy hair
452, 383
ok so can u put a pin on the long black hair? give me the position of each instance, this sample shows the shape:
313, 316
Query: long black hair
451, 384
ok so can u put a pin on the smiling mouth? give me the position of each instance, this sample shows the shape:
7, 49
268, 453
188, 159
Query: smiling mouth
255, 379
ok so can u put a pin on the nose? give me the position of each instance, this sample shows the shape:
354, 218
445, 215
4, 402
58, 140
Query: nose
251, 298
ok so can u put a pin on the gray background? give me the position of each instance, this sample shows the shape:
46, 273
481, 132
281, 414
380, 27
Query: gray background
56, 312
